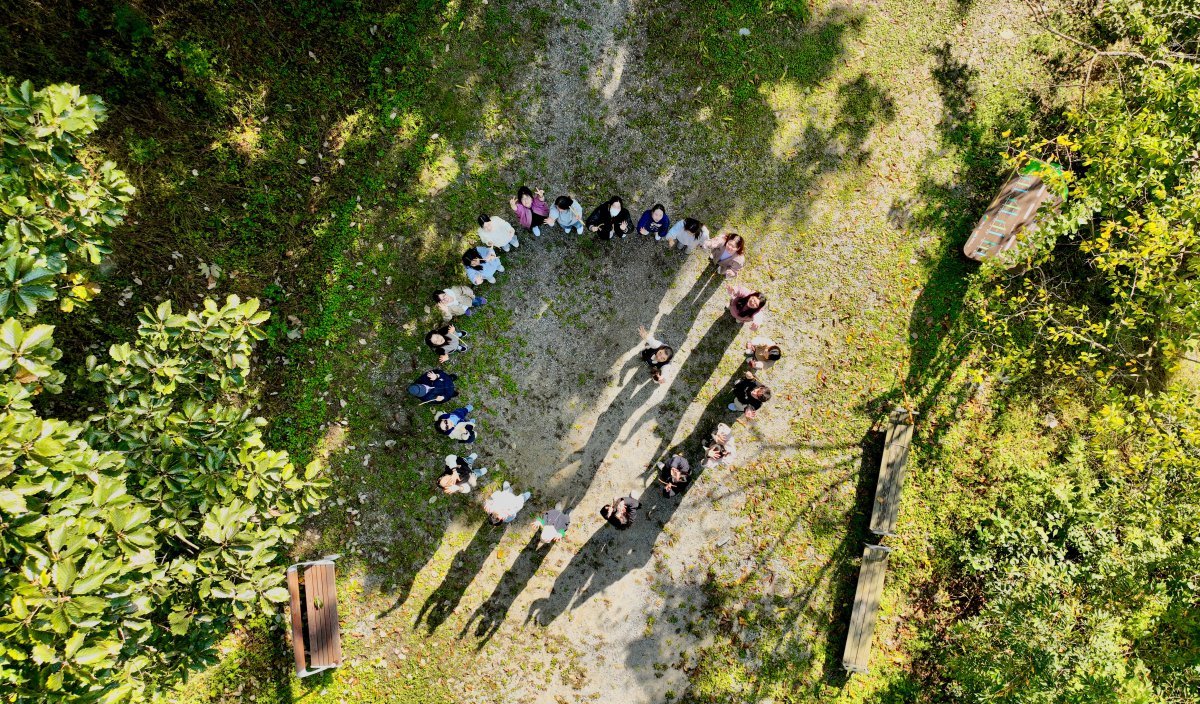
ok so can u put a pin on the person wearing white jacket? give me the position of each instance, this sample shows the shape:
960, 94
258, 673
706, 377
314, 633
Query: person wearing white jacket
494, 231
567, 213
504, 505
688, 233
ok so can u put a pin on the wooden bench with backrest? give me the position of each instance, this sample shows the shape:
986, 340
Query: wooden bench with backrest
886, 508
866, 605
316, 634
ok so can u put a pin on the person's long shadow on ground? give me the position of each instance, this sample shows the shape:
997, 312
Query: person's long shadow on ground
442, 602
609, 555
704, 358
491, 613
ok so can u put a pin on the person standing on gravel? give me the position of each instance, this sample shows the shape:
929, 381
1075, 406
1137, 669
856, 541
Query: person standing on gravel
504, 505
655, 222
621, 512
459, 475
749, 395
747, 306
494, 231
457, 300
655, 354
446, 340
727, 252
610, 219
688, 232
553, 525
434, 386
456, 425
720, 449
531, 210
673, 474
762, 353
481, 264
567, 213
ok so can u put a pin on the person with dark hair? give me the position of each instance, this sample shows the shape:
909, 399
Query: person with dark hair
567, 213
459, 476
434, 386
673, 474
457, 300
445, 341
688, 232
455, 424
747, 306
494, 231
552, 525
656, 355
621, 512
749, 395
720, 448
655, 222
481, 264
531, 210
762, 353
610, 219
728, 252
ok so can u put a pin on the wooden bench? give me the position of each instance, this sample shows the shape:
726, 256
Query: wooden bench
316, 635
891, 473
866, 604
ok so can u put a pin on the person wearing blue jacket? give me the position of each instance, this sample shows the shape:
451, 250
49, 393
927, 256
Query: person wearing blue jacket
655, 222
481, 264
434, 386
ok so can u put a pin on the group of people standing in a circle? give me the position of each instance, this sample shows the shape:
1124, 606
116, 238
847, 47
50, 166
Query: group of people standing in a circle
611, 219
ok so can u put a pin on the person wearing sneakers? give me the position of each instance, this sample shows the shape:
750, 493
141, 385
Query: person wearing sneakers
457, 300
749, 395
446, 340
688, 233
531, 210
456, 425
655, 222
762, 353
567, 213
610, 219
552, 525
673, 474
481, 264
621, 512
494, 231
727, 252
504, 505
459, 475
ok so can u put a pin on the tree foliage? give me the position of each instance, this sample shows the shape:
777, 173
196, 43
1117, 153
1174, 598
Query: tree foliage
132, 539
1088, 566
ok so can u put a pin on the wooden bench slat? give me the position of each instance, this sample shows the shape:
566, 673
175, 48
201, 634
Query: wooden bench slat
886, 508
335, 629
316, 616
293, 580
866, 607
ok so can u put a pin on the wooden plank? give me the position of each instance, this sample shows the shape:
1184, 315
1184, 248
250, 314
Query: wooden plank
866, 607
335, 628
886, 509
316, 616
293, 580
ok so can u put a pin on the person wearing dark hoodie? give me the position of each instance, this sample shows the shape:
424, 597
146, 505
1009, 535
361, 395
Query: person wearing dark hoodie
434, 386
655, 222
621, 512
610, 219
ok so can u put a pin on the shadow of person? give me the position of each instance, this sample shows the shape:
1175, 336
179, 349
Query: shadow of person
491, 613
610, 554
466, 564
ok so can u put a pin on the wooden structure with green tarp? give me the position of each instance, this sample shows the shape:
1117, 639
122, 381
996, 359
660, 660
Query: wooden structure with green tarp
1038, 188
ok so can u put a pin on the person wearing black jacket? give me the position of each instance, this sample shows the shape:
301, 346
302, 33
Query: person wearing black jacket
610, 219
434, 386
621, 512
673, 474
749, 394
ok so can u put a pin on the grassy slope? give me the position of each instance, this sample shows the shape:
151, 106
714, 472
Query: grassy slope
353, 254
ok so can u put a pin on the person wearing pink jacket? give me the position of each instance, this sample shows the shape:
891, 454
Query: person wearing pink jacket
747, 306
531, 209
